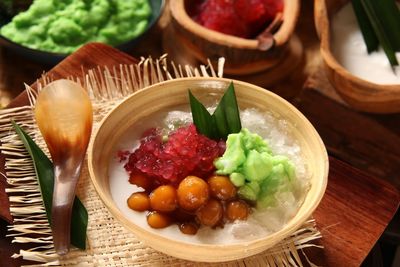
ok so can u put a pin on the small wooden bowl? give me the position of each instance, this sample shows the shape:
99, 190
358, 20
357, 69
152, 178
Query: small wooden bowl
170, 94
244, 56
360, 94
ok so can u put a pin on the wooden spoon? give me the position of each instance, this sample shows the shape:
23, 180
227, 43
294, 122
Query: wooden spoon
64, 115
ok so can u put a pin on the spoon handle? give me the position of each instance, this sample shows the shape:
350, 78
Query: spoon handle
63, 199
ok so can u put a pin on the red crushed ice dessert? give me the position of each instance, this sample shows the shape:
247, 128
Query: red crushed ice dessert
220, 15
185, 153
242, 18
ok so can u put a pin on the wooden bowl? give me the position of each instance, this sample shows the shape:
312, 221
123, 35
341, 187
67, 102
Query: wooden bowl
243, 56
360, 94
170, 94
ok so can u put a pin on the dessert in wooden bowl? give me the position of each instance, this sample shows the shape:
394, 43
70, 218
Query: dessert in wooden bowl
245, 53
143, 166
47, 32
366, 82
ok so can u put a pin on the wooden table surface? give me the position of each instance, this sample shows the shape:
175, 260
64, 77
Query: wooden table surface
354, 211
356, 207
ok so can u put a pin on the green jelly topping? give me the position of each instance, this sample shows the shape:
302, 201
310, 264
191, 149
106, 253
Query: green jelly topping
62, 26
251, 166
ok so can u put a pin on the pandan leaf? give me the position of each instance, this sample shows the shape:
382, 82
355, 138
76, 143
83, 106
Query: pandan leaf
45, 173
379, 22
220, 122
380, 31
230, 110
225, 119
202, 118
370, 39
389, 14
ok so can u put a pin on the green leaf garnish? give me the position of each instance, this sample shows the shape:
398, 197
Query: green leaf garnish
230, 109
370, 39
389, 14
379, 21
225, 119
45, 172
202, 118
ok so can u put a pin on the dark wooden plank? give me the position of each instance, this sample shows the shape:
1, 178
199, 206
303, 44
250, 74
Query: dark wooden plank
86, 58
366, 141
353, 214
14, 71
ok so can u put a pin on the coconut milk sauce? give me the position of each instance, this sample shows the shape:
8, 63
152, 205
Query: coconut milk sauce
350, 51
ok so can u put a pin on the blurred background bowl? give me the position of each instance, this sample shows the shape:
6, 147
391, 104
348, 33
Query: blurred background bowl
146, 102
360, 94
243, 56
50, 58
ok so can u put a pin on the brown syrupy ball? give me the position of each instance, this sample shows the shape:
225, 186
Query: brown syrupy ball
211, 213
139, 201
237, 210
221, 187
158, 220
164, 198
192, 193
189, 228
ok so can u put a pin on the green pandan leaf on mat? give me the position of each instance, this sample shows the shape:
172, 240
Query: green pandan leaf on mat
45, 173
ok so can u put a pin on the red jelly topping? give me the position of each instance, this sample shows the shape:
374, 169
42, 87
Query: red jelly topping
185, 153
242, 18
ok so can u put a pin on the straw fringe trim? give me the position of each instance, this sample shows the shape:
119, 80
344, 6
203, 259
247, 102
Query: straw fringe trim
116, 246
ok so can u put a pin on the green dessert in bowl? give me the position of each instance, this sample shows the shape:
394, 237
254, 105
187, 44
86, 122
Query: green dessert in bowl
61, 27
